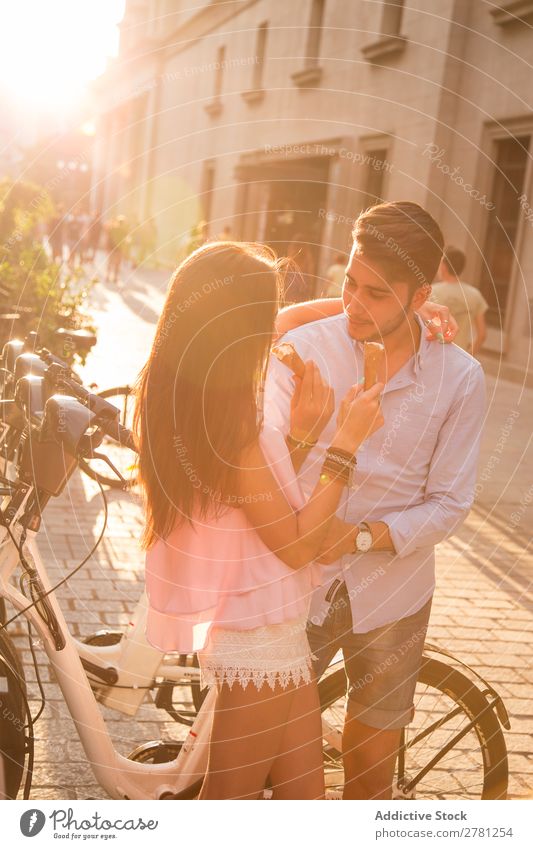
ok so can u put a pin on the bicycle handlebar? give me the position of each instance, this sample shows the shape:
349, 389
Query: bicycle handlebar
107, 413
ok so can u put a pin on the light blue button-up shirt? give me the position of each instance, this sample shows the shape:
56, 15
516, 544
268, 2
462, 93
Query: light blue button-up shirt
417, 473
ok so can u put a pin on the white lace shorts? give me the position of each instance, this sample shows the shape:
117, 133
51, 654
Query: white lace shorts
273, 654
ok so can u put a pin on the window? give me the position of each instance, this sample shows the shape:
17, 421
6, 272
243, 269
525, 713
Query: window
376, 164
391, 18
256, 93
208, 184
215, 106
219, 71
314, 33
510, 162
260, 49
512, 12
312, 72
390, 40
137, 141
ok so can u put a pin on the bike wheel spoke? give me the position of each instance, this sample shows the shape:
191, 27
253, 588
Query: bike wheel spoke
443, 756
459, 774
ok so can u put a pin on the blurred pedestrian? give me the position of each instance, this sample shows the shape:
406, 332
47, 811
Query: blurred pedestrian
118, 236
198, 236
73, 235
335, 277
464, 301
145, 241
93, 236
85, 221
56, 233
225, 234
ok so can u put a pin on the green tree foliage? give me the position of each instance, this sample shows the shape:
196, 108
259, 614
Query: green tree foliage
29, 279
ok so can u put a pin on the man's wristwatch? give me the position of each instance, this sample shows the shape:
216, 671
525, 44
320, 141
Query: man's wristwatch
363, 540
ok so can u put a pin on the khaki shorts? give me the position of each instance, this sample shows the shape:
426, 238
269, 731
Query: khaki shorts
382, 665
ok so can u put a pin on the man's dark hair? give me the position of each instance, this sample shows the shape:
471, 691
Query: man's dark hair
403, 239
454, 260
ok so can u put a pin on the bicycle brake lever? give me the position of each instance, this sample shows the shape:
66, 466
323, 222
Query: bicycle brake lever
97, 456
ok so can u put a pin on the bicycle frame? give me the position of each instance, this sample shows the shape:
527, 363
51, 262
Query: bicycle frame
133, 662
120, 777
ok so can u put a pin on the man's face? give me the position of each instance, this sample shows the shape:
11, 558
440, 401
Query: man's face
374, 308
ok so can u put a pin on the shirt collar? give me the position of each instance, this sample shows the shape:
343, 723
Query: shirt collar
420, 356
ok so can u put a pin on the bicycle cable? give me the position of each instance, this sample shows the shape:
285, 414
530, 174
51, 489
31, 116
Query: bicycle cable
34, 658
30, 569
29, 575
29, 725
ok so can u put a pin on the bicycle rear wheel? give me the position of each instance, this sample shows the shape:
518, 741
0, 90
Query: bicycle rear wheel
453, 749
12, 719
124, 459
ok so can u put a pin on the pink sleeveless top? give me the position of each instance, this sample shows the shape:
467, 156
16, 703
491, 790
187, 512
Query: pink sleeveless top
220, 573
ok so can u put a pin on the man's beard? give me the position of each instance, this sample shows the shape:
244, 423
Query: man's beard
391, 326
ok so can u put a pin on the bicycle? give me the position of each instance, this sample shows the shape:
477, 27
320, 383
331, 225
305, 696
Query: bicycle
123, 398
120, 669
13, 366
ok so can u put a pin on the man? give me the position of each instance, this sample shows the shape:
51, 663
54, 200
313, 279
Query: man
119, 239
93, 236
335, 277
412, 487
465, 302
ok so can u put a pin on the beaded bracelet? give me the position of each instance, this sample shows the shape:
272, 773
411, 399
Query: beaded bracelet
300, 443
342, 453
344, 460
334, 471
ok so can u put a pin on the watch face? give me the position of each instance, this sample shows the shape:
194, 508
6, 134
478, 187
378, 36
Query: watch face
364, 541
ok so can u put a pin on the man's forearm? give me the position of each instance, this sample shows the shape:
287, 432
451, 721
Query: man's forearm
425, 525
381, 537
295, 315
345, 543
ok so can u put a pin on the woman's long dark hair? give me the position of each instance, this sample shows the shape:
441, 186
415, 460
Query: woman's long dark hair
197, 396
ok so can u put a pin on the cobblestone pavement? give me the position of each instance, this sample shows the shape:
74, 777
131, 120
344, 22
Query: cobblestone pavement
483, 607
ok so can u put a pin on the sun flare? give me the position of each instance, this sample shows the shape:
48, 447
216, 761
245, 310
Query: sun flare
52, 50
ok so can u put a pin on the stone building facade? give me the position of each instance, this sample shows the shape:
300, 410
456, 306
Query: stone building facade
282, 119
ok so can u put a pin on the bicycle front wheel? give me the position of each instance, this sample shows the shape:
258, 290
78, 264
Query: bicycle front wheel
12, 719
123, 458
453, 749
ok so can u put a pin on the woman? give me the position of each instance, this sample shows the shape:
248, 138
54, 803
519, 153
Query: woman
230, 540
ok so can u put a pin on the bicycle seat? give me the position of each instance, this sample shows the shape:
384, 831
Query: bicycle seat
29, 364
82, 340
10, 414
5, 379
30, 396
10, 352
